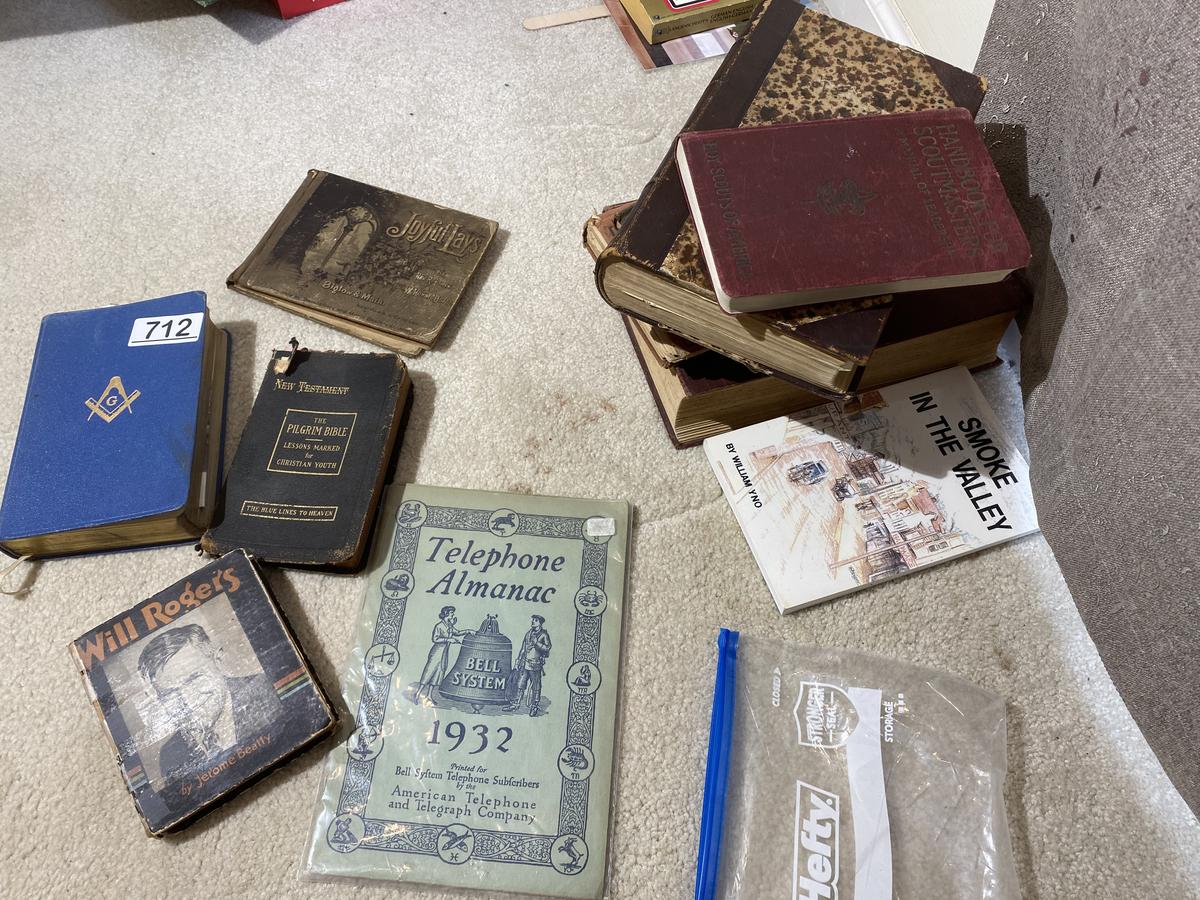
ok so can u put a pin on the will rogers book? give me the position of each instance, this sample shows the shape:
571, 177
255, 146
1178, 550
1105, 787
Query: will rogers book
840, 208
846, 495
310, 468
201, 689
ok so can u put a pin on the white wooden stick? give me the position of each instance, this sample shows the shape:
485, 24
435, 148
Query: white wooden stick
566, 17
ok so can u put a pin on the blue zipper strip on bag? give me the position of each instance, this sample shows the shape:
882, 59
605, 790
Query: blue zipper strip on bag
716, 774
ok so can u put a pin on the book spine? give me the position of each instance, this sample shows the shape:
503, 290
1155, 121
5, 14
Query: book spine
637, 12
704, 19
754, 365
666, 177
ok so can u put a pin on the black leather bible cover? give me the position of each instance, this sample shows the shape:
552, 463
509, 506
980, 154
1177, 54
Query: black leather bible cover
307, 476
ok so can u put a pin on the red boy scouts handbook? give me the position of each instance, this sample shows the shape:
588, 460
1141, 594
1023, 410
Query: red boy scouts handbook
842, 208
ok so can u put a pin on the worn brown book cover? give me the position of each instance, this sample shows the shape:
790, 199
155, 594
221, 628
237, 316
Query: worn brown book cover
383, 266
666, 348
706, 393
792, 65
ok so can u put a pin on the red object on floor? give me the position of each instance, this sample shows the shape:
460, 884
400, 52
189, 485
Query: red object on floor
290, 8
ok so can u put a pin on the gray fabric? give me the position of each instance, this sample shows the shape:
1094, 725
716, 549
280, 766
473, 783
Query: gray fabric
1092, 120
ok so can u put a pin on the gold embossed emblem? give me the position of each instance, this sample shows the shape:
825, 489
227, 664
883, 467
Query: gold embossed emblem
113, 401
847, 197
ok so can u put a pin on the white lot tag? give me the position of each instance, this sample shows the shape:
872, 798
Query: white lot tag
178, 329
600, 526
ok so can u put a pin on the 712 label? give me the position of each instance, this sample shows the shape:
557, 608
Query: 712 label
154, 330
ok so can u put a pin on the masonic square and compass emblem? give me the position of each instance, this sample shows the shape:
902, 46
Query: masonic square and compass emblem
113, 401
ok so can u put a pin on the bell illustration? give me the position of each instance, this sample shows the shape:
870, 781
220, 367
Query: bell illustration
482, 672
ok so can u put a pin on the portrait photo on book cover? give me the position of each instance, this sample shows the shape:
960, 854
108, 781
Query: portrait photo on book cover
191, 693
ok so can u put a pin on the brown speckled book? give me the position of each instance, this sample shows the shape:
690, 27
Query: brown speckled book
793, 65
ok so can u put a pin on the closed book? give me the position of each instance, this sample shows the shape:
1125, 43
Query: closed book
120, 437
662, 20
701, 394
843, 496
840, 208
483, 681
711, 394
201, 690
377, 264
307, 476
792, 65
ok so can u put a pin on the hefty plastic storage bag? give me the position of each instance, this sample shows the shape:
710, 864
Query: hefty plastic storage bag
841, 774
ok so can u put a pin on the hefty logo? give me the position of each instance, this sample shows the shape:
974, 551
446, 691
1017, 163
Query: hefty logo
815, 845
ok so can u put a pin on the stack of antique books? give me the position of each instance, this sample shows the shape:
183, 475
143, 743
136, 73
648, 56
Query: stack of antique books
872, 250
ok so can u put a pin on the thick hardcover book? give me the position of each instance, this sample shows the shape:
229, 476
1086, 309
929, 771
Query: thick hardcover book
667, 348
861, 327
901, 202
710, 394
842, 496
310, 468
483, 681
662, 20
792, 65
700, 393
380, 265
120, 437
201, 690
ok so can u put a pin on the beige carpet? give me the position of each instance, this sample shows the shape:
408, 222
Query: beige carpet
146, 144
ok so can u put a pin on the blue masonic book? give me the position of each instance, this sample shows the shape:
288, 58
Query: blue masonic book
120, 438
